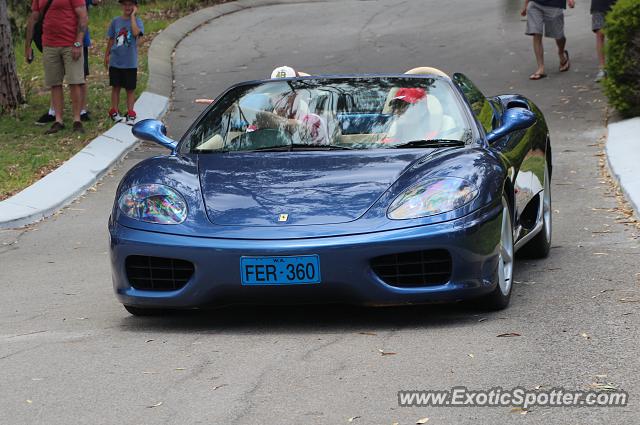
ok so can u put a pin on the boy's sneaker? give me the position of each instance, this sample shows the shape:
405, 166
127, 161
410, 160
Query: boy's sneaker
84, 116
131, 118
56, 127
115, 115
46, 118
601, 75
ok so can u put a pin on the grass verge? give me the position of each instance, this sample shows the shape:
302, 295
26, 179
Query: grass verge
26, 154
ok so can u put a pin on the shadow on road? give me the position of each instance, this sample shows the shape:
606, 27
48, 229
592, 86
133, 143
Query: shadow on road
290, 319
309, 318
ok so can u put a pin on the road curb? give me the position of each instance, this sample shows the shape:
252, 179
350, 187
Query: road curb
62, 186
80, 172
623, 156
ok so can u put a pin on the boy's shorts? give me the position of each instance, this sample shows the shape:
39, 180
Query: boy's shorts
597, 21
126, 78
547, 18
59, 65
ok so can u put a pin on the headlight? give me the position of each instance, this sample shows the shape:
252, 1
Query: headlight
432, 197
153, 203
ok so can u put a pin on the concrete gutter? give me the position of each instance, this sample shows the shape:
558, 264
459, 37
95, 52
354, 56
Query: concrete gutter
83, 170
623, 155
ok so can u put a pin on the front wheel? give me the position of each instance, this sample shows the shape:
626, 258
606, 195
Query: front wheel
499, 298
540, 245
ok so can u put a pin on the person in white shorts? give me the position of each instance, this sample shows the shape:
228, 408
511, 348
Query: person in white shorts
547, 16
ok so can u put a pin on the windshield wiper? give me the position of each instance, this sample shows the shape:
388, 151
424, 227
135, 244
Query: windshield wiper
301, 146
430, 143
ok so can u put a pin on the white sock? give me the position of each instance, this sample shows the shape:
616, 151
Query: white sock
84, 111
52, 112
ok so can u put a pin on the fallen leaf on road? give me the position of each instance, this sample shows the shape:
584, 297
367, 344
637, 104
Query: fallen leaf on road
29, 401
219, 386
368, 333
520, 410
158, 404
385, 353
470, 355
422, 421
149, 340
353, 418
482, 320
180, 368
627, 300
149, 373
81, 318
508, 335
585, 336
538, 387
598, 386
600, 253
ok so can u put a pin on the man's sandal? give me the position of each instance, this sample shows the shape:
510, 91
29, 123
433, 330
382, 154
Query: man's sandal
566, 64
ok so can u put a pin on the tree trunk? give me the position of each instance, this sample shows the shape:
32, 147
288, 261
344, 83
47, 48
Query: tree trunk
10, 93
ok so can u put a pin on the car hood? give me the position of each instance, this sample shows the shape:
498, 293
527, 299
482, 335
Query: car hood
311, 188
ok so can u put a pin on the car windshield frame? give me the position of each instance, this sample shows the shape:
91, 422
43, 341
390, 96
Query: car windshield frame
227, 99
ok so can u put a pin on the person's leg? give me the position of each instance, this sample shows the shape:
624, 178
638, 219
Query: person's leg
76, 100
600, 48
74, 74
131, 100
563, 54
57, 100
53, 63
115, 98
538, 50
535, 27
85, 87
554, 28
83, 98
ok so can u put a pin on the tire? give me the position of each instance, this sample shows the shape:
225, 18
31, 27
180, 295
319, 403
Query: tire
540, 245
499, 298
142, 312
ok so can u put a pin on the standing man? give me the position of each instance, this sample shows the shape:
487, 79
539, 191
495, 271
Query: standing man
547, 16
50, 116
64, 26
599, 9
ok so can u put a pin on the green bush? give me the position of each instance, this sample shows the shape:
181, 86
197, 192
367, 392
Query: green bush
623, 57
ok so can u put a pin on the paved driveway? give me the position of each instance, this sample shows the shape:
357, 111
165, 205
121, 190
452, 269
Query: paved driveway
69, 353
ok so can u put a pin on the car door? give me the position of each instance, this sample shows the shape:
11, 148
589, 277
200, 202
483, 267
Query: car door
514, 147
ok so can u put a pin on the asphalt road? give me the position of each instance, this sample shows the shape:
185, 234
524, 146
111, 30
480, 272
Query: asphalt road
69, 353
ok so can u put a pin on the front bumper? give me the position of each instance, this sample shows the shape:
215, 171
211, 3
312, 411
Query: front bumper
347, 276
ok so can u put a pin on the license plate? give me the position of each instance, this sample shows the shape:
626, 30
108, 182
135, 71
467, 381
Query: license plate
294, 270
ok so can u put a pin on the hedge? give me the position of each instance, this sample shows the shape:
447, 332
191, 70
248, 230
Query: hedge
623, 57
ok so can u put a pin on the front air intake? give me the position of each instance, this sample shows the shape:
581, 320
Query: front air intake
414, 269
157, 274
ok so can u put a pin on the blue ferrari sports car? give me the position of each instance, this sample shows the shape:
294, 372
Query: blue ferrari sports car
368, 189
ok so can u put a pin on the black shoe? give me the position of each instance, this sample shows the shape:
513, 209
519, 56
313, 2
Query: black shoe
46, 118
57, 126
77, 127
85, 116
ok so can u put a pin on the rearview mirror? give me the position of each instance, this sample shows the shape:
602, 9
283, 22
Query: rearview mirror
153, 131
513, 119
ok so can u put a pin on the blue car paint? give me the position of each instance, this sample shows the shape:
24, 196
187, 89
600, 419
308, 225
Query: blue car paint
346, 244
346, 274
181, 171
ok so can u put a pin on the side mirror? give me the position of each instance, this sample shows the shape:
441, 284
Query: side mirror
513, 119
153, 131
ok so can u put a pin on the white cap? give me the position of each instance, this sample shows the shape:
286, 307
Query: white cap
284, 72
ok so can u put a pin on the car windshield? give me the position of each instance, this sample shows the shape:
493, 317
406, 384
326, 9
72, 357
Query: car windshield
331, 113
